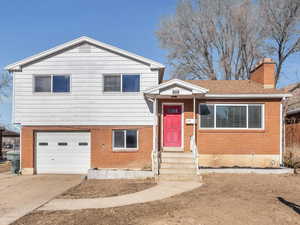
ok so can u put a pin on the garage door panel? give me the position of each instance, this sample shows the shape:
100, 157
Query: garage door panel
70, 158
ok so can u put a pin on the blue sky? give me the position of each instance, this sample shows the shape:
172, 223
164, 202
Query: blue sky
29, 27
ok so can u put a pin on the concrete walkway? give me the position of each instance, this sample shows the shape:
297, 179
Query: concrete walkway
20, 195
161, 191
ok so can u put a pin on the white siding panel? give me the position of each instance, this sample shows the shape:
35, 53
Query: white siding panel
86, 104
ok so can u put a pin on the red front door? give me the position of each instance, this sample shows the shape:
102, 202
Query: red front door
172, 125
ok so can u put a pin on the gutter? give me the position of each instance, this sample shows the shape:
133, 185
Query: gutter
234, 96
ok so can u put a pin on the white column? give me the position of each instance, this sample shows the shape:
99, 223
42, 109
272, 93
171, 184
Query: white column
154, 139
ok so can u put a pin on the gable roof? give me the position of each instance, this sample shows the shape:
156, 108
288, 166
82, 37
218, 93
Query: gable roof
18, 65
177, 82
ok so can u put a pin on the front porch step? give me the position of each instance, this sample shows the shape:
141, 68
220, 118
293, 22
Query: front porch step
176, 160
177, 165
173, 149
175, 154
181, 171
181, 177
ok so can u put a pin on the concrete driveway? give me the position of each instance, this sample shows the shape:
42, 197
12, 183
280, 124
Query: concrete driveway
20, 195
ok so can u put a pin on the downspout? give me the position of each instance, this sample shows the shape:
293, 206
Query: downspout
282, 133
194, 134
20, 150
194, 117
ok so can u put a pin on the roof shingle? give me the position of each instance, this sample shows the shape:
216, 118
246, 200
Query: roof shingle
235, 87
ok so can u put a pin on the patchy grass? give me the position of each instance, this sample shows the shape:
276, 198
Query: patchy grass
223, 199
107, 188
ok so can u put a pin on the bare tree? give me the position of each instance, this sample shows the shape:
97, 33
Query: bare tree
217, 39
212, 39
5, 86
282, 23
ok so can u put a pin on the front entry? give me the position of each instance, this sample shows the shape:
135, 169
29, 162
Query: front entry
172, 122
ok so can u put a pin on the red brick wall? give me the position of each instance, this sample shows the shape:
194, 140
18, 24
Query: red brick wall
244, 141
264, 74
232, 141
102, 155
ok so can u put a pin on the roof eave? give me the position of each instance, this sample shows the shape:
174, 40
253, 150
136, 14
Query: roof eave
246, 96
293, 112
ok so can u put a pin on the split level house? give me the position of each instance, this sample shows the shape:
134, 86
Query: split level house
86, 105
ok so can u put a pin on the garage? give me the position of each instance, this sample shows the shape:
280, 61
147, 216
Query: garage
63, 152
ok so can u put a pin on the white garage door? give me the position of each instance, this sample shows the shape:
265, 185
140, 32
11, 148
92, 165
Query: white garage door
63, 152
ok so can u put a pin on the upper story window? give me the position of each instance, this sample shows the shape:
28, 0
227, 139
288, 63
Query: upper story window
121, 83
231, 116
52, 83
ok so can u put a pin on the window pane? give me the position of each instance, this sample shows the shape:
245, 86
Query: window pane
112, 83
119, 138
42, 84
206, 116
255, 116
131, 139
131, 83
231, 117
61, 84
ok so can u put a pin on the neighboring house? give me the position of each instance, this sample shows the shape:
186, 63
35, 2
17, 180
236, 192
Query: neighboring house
10, 141
88, 105
1, 151
292, 131
293, 103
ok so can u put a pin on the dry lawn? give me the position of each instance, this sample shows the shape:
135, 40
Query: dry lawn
223, 199
107, 188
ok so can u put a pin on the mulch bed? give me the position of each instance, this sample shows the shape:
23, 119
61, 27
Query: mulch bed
107, 188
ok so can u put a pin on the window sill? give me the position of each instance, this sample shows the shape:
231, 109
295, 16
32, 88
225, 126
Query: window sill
231, 130
121, 93
52, 93
125, 150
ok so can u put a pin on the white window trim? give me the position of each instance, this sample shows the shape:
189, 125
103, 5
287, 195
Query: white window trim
51, 84
232, 128
115, 149
121, 83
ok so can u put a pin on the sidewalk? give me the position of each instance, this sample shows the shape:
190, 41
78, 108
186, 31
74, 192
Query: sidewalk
161, 191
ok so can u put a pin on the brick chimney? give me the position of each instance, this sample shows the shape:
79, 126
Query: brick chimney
264, 73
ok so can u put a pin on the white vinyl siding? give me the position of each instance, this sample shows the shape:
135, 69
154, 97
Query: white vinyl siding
87, 104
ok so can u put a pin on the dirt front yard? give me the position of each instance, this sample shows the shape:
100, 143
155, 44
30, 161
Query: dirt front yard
223, 199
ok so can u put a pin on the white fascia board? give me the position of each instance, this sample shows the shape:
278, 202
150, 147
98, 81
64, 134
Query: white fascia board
224, 96
18, 65
181, 83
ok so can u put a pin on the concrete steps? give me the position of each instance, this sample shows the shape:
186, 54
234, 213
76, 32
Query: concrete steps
178, 171
178, 166
181, 177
